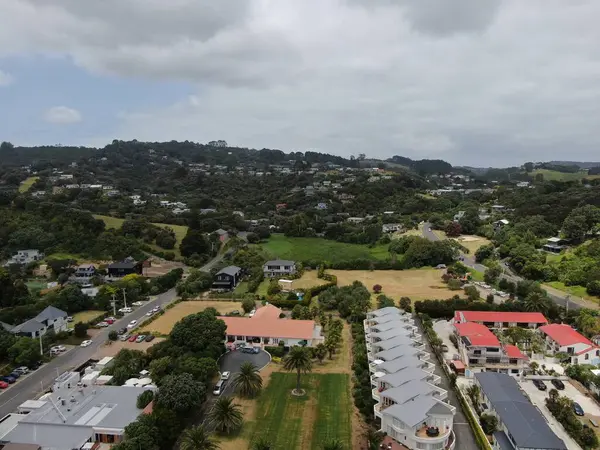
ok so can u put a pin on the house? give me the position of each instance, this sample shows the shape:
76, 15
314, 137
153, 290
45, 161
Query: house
391, 227
481, 351
84, 273
267, 328
562, 338
459, 215
223, 235
410, 404
50, 319
227, 278
521, 425
321, 206
77, 415
555, 244
498, 319
25, 257
126, 267
355, 219
279, 267
499, 224
523, 184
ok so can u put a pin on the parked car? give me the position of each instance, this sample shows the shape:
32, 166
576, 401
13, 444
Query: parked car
122, 330
577, 409
540, 385
15, 375
8, 379
235, 312
252, 313
140, 338
110, 320
149, 313
102, 324
126, 310
124, 337
137, 304
132, 338
86, 343
218, 389
3, 384
558, 384
22, 370
254, 350
69, 319
36, 365
132, 324
150, 338
225, 375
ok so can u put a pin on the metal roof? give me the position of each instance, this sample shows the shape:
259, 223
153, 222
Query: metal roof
418, 411
387, 310
523, 421
280, 262
397, 341
30, 326
409, 391
404, 376
230, 270
51, 313
397, 352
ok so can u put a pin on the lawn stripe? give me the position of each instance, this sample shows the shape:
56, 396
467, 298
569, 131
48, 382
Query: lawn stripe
333, 419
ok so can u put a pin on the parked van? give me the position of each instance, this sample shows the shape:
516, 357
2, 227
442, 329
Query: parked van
219, 387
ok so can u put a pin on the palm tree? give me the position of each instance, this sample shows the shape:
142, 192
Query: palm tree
537, 302
261, 444
298, 359
334, 444
247, 382
225, 415
197, 438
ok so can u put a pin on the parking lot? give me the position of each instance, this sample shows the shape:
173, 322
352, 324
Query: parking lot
538, 398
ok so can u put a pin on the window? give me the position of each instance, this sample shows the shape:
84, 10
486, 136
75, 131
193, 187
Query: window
477, 352
512, 361
587, 356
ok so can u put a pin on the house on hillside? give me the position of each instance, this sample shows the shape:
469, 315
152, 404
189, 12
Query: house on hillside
563, 338
50, 319
126, 267
499, 224
84, 273
223, 235
555, 244
227, 278
279, 267
24, 257
391, 227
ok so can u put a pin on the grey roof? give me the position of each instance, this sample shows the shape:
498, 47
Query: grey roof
123, 265
502, 441
387, 310
220, 232
396, 341
49, 436
230, 270
388, 318
417, 412
524, 421
408, 391
31, 326
51, 313
397, 352
401, 363
390, 334
404, 376
393, 325
280, 262
6, 326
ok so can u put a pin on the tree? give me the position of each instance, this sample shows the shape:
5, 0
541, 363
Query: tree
537, 302
194, 242
453, 229
377, 288
489, 298
484, 252
225, 415
528, 166
298, 359
492, 273
489, 423
248, 305
144, 399
320, 352
253, 238
25, 352
181, 393
7, 339
197, 438
247, 382
202, 369
384, 301
334, 444
405, 304
80, 329
200, 333
261, 443
113, 335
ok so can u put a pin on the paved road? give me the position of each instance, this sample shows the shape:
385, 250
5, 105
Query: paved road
40, 380
469, 261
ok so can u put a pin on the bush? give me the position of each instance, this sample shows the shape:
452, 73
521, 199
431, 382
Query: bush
278, 351
454, 284
80, 330
144, 399
113, 335
489, 423
377, 288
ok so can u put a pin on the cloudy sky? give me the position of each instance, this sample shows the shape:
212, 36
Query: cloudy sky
479, 82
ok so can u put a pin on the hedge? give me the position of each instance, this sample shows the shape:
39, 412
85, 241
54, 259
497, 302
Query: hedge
276, 351
308, 294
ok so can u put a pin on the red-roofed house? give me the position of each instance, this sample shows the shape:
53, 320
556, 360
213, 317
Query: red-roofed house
481, 351
266, 328
563, 338
499, 319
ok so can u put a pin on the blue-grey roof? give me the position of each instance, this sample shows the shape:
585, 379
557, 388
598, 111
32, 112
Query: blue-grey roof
280, 262
416, 413
30, 326
397, 352
396, 341
387, 310
230, 270
51, 313
409, 391
401, 363
502, 440
392, 325
404, 376
390, 334
523, 421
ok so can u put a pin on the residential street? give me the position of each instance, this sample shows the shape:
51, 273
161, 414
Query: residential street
469, 261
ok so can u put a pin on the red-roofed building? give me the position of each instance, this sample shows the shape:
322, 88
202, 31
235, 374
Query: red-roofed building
499, 319
563, 338
481, 351
266, 328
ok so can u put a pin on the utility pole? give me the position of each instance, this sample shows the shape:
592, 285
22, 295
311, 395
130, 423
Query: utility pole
114, 305
567, 303
125, 297
41, 346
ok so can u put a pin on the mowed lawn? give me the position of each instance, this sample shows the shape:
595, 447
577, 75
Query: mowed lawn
179, 230
472, 242
313, 249
27, 183
165, 322
307, 422
85, 316
309, 279
418, 284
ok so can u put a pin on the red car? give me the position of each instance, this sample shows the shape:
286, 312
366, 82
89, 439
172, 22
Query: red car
3, 384
109, 321
132, 338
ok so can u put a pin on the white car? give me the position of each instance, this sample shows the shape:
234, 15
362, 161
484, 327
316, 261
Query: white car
126, 310
137, 304
225, 375
102, 324
132, 324
85, 343
252, 313
149, 313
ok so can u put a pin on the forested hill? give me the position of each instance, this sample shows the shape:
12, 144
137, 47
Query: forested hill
214, 152
424, 166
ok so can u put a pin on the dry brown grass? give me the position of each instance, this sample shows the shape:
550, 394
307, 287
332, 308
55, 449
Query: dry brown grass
342, 359
115, 347
164, 323
472, 242
418, 284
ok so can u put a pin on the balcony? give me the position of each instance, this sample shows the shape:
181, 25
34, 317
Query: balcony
377, 409
375, 394
430, 435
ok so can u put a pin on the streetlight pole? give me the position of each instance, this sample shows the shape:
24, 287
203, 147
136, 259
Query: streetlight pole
114, 305
41, 346
125, 297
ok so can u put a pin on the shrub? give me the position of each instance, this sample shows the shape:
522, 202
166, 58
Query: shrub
454, 284
113, 335
377, 288
278, 351
80, 329
144, 399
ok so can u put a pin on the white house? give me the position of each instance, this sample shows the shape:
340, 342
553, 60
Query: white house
50, 318
391, 227
563, 338
25, 257
279, 267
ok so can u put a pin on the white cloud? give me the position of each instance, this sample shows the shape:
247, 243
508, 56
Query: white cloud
474, 82
5, 78
62, 115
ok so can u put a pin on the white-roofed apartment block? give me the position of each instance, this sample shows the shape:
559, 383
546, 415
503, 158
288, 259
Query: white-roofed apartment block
410, 403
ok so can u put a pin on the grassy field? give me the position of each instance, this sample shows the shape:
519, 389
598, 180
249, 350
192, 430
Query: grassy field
179, 230
418, 284
553, 175
26, 184
472, 242
577, 291
299, 423
307, 249
164, 323
85, 316
308, 280
36, 285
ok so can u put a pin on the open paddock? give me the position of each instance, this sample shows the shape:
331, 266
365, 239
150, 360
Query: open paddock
309, 279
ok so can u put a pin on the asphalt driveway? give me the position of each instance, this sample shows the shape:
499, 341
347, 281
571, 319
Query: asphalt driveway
231, 362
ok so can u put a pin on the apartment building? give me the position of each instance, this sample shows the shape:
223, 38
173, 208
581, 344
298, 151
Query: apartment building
563, 338
499, 319
410, 403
